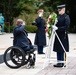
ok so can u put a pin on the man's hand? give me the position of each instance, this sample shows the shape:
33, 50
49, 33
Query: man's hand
23, 23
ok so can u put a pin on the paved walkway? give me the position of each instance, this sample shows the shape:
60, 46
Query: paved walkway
6, 41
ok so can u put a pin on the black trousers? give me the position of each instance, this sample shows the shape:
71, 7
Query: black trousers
27, 48
40, 49
60, 56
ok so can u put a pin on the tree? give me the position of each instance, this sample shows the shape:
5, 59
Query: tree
13, 8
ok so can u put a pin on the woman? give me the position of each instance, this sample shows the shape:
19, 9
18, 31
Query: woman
40, 38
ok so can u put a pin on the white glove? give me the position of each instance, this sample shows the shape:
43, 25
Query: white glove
55, 27
40, 14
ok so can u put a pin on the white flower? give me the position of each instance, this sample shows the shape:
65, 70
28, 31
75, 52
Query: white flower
48, 25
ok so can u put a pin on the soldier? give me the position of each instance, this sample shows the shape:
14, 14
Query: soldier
40, 38
61, 29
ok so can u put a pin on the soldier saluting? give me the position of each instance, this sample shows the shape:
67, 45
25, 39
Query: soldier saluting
40, 38
61, 29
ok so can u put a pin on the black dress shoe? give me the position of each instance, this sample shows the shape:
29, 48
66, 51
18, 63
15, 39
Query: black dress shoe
41, 53
59, 65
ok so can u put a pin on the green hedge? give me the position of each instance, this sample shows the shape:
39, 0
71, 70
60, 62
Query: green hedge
31, 28
8, 28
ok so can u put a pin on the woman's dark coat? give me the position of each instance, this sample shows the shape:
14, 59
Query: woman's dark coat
63, 25
40, 38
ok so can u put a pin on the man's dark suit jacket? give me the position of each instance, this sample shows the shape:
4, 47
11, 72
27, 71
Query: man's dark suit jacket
20, 37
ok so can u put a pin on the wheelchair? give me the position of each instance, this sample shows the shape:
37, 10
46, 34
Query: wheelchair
15, 57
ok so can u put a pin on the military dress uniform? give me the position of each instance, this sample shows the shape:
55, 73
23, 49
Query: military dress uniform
63, 25
40, 38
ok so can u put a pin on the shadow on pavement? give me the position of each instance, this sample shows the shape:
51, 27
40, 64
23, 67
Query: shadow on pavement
2, 59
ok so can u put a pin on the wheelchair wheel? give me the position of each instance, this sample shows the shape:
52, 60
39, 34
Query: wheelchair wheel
14, 57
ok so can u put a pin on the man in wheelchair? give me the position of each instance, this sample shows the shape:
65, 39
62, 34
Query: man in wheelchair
20, 37
22, 51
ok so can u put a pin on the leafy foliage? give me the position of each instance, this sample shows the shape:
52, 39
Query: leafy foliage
51, 20
31, 28
14, 8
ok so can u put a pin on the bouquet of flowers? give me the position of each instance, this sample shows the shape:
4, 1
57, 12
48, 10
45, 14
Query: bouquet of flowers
52, 18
